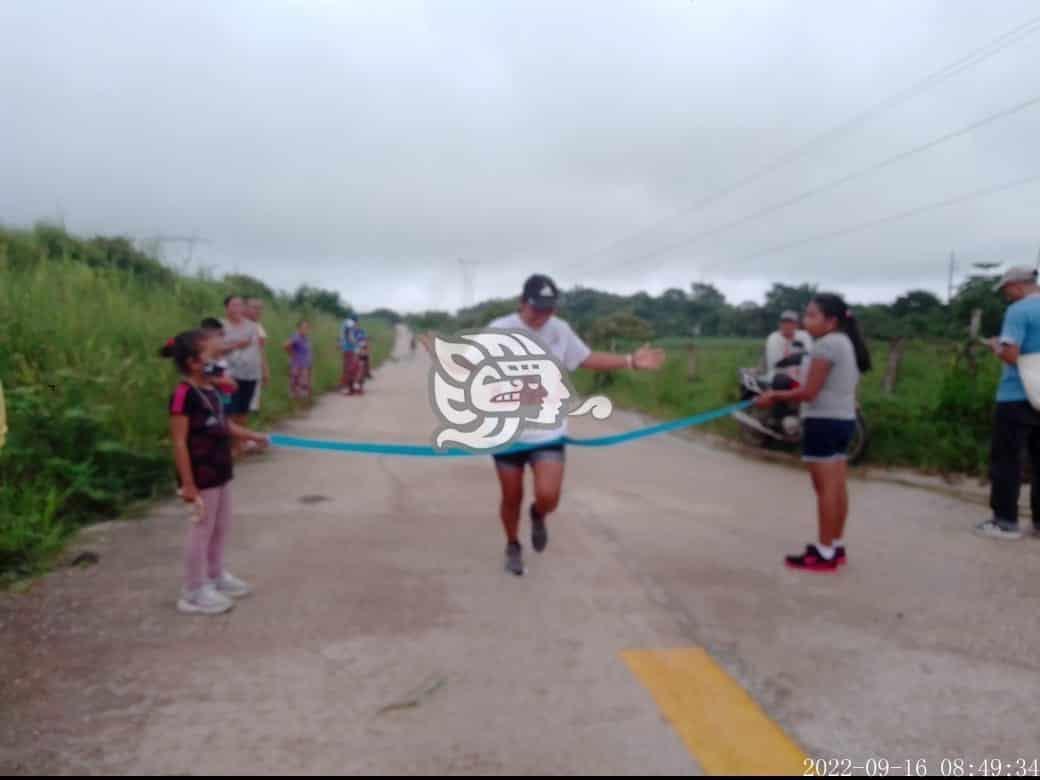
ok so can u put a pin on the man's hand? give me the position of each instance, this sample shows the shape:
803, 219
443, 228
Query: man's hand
648, 358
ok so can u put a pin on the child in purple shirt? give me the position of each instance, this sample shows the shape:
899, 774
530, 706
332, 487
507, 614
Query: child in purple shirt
300, 361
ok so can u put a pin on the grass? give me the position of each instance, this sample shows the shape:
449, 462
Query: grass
81, 324
938, 420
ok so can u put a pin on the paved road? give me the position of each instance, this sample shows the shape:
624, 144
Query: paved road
384, 636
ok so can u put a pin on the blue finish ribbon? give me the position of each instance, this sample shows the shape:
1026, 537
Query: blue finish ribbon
422, 451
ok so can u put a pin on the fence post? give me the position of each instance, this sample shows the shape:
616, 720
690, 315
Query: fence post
691, 363
973, 337
976, 324
895, 358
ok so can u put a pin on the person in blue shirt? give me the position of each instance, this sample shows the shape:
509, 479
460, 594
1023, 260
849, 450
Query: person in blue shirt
1016, 424
348, 343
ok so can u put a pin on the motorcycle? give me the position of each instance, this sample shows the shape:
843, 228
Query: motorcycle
782, 425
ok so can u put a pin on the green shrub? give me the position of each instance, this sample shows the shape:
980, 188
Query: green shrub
81, 323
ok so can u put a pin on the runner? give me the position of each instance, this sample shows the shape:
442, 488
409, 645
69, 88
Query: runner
536, 315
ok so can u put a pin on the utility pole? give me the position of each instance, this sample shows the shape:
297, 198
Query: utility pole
953, 271
467, 281
158, 240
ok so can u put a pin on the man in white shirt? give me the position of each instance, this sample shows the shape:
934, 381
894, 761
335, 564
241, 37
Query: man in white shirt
244, 360
255, 312
788, 345
536, 315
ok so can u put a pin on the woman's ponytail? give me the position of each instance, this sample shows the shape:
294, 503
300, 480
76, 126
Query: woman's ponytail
835, 306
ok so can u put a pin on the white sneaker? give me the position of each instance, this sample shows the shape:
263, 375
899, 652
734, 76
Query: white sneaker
995, 530
229, 585
204, 601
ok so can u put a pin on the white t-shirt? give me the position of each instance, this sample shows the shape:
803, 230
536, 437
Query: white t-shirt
246, 364
778, 348
565, 345
254, 406
837, 397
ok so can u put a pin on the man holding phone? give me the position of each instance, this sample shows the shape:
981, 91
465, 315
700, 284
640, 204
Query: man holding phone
1016, 423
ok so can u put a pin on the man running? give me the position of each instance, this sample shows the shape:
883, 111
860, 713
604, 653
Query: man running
536, 315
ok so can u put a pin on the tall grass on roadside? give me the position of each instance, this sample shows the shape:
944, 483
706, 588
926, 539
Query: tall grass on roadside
86, 391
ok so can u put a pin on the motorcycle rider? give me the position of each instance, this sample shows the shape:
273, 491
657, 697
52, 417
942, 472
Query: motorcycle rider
786, 350
787, 345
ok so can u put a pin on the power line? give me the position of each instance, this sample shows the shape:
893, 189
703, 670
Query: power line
935, 206
977, 56
833, 184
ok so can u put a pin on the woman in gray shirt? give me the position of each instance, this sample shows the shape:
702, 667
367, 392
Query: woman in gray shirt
839, 356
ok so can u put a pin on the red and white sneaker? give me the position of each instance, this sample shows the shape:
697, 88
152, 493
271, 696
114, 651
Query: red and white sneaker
812, 560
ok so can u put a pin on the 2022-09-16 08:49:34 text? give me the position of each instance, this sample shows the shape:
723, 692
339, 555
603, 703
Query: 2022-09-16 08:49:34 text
947, 767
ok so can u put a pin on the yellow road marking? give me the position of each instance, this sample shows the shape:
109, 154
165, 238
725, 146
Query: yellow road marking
720, 724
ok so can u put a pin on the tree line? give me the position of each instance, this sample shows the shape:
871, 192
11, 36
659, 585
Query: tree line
704, 311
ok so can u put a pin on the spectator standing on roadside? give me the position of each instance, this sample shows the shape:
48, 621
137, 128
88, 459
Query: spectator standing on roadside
241, 341
255, 311
1016, 423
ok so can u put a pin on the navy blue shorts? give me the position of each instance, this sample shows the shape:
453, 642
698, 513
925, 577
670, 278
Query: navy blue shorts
517, 460
825, 440
242, 398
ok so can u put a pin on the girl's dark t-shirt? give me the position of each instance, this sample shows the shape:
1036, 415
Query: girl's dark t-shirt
209, 437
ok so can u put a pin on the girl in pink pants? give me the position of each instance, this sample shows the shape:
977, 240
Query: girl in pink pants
201, 435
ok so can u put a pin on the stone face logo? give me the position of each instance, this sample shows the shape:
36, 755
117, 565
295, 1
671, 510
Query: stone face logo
489, 386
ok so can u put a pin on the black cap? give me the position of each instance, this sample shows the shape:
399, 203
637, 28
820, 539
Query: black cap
541, 292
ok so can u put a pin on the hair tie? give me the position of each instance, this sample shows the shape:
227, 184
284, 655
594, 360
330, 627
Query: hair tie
170, 342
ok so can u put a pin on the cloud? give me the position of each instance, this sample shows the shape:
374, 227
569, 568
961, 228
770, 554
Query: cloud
367, 147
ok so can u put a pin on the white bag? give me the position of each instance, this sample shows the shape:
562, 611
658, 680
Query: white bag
1029, 370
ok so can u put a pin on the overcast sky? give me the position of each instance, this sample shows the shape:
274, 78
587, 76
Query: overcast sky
367, 146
